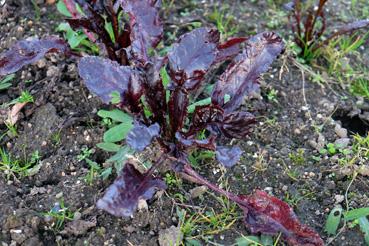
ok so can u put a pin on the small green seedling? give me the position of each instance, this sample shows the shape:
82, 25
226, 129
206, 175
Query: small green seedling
58, 215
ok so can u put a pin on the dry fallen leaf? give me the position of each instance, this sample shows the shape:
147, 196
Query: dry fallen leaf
13, 114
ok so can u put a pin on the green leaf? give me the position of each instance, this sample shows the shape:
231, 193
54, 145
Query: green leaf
109, 29
60, 6
356, 213
116, 115
106, 173
115, 97
121, 155
248, 240
364, 227
266, 240
4, 86
333, 221
118, 132
192, 242
7, 78
93, 164
109, 147
164, 76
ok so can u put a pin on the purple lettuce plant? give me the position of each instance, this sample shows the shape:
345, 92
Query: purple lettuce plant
130, 66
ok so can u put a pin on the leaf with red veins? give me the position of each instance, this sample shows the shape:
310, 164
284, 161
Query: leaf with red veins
208, 143
237, 124
29, 51
177, 106
193, 56
228, 156
203, 117
229, 49
121, 198
242, 74
141, 136
103, 76
268, 215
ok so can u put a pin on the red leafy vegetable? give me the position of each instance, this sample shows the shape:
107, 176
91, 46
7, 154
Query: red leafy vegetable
133, 70
29, 51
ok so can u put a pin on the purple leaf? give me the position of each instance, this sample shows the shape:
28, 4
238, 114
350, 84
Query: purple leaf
228, 156
141, 136
121, 198
145, 25
103, 76
268, 215
208, 143
229, 49
29, 51
242, 74
192, 56
237, 124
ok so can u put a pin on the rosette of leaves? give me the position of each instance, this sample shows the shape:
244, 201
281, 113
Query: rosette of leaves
131, 67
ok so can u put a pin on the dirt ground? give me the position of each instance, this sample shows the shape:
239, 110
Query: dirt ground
62, 122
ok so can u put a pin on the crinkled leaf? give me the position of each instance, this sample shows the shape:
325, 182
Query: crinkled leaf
242, 74
268, 215
103, 76
208, 143
203, 117
178, 109
121, 198
29, 51
237, 124
228, 156
192, 56
141, 136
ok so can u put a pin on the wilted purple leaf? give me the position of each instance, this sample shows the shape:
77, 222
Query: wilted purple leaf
208, 143
268, 215
103, 76
228, 156
237, 124
121, 198
141, 136
193, 55
242, 74
29, 51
